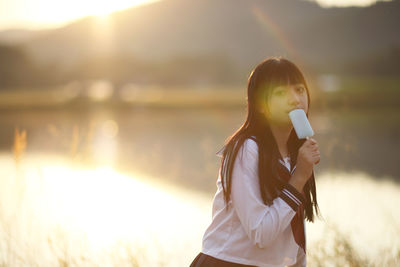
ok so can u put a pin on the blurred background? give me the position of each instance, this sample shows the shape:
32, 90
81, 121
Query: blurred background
111, 114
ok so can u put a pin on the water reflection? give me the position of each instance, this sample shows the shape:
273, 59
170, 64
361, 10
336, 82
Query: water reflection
179, 143
363, 211
100, 91
53, 212
105, 144
83, 215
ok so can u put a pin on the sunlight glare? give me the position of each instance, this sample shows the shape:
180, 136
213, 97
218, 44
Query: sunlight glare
108, 206
51, 207
96, 216
347, 3
37, 14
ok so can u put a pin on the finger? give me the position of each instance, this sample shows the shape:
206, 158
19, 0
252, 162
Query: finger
311, 144
312, 140
315, 154
312, 149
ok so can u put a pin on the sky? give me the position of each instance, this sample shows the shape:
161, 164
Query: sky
44, 14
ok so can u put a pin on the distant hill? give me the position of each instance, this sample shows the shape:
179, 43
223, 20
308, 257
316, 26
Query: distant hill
15, 36
240, 31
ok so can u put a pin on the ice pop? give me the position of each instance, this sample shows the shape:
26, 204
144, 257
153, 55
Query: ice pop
300, 123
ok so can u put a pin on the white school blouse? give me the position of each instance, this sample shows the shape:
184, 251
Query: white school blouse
251, 232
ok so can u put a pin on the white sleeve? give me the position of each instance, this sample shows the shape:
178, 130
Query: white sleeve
261, 222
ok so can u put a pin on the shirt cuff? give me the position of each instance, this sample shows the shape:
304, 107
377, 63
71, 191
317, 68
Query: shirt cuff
292, 197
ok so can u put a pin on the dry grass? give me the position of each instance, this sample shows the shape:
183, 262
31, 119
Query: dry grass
335, 249
20, 229
19, 145
76, 143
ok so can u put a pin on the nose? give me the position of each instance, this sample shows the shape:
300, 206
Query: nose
294, 98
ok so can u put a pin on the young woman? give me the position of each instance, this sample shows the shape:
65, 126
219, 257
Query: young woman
266, 182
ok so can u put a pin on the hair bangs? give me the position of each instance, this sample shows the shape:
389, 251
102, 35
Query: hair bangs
286, 73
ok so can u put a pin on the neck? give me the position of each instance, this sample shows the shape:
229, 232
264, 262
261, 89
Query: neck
281, 134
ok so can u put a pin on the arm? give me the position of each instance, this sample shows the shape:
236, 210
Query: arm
261, 222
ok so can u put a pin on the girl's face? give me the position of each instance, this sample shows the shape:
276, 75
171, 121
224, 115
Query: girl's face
282, 99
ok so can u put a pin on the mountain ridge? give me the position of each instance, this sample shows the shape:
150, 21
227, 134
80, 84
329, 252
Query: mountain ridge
244, 32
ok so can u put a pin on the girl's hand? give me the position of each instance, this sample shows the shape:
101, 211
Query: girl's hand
308, 156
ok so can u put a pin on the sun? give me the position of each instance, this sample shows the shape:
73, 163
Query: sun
50, 14
103, 8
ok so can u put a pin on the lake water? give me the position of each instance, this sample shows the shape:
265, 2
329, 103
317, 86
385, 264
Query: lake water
175, 144
135, 185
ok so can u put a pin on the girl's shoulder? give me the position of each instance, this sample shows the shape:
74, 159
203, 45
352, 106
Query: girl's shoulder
253, 138
250, 144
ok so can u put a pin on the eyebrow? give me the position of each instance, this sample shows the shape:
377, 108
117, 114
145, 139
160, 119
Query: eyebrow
285, 87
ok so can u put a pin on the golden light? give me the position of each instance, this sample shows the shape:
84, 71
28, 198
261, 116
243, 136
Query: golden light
100, 90
346, 3
98, 213
36, 14
99, 217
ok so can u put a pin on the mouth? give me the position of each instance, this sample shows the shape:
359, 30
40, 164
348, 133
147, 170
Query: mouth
293, 109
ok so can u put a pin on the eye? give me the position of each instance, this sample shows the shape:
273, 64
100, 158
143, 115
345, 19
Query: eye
300, 89
279, 92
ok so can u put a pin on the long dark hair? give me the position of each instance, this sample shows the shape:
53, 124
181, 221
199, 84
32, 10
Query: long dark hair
274, 71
